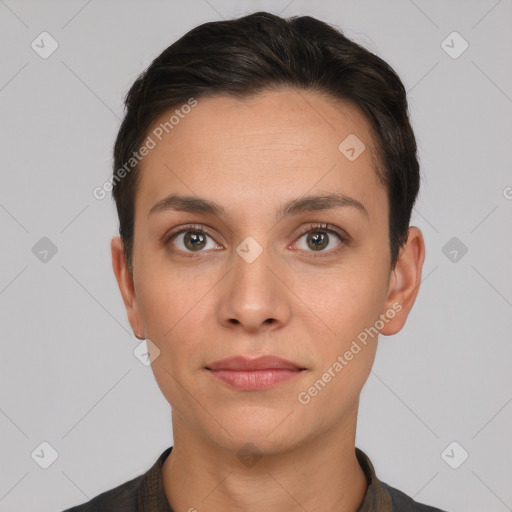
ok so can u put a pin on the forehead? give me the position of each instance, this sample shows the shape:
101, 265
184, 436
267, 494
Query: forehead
272, 144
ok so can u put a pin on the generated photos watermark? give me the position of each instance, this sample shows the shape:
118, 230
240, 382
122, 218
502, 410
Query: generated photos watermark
157, 134
305, 397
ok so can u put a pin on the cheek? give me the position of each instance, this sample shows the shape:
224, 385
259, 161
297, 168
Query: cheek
173, 306
171, 310
345, 302
346, 350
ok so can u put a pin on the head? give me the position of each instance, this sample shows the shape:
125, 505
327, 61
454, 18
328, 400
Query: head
270, 172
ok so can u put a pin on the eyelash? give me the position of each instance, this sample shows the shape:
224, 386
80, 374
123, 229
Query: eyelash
327, 228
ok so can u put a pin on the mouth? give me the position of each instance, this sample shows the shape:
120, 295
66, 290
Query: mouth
254, 374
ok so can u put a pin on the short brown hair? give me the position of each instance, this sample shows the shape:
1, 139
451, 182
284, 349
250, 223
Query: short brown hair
244, 56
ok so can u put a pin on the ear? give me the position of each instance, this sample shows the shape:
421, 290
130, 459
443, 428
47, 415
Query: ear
404, 282
126, 287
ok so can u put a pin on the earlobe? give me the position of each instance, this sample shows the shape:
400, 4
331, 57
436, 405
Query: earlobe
126, 286
404, 282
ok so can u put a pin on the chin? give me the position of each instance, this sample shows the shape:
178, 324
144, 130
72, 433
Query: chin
268, 435
257, 445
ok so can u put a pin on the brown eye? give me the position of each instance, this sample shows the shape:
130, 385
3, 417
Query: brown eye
191, 240
320, 240
317, 240
194, 240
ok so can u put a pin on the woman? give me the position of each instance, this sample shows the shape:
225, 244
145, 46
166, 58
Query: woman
264, 177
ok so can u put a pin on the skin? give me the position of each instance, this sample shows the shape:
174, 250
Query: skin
252, 156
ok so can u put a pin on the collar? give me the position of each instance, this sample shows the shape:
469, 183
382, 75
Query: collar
151, 496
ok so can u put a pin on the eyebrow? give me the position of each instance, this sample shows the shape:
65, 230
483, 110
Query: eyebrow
195, 204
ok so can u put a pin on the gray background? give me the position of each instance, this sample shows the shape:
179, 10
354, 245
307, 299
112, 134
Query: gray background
67, 369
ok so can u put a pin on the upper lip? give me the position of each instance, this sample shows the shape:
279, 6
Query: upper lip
260, 363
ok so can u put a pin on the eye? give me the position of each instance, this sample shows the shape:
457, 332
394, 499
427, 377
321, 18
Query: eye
190, 240
320, 237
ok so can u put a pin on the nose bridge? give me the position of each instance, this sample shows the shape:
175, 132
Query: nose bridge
252, 277
255, 294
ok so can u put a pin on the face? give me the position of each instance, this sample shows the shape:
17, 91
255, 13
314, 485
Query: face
253, 267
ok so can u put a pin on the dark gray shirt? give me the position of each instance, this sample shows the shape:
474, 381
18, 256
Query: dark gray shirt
145, 493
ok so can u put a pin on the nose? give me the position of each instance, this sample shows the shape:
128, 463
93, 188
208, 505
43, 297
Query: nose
254, 296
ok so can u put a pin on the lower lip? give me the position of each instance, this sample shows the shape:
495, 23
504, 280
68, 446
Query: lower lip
255, 379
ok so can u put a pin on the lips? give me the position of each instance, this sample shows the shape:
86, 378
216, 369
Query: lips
261, 363
254, 374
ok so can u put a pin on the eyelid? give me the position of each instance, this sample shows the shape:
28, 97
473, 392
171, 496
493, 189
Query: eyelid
329, 228
168, 235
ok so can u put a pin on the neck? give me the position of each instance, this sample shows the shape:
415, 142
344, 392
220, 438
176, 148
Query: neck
322, 474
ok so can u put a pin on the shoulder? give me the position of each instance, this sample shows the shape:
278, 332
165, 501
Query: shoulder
133, 495
122, 498
381, 496
403, 503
